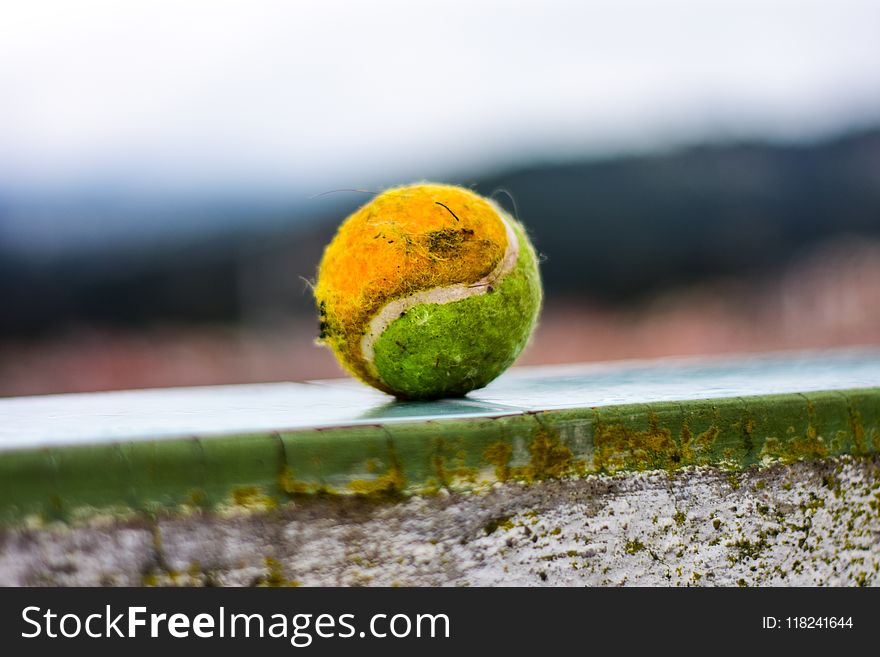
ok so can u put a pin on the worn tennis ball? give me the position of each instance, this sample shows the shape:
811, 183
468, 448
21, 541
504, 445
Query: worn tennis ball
428, 291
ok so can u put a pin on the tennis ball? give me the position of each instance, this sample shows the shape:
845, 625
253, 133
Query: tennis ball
428, 291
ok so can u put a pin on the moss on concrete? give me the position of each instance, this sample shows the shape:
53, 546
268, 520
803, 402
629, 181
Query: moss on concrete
393, 460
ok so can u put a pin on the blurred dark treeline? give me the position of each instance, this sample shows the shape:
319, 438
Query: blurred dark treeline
614, 231
629, 227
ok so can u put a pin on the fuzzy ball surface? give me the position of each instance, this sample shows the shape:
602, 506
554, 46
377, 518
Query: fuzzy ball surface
428, 291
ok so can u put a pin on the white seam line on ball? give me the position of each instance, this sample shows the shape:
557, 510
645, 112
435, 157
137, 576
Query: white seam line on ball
439, 295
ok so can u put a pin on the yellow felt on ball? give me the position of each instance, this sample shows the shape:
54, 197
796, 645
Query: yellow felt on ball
421, 252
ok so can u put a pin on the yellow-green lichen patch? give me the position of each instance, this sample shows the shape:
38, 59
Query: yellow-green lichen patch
858, 431
498, 455
549, 458
240, 460
867, 403
789, 429
721, 432
451, 469
390, 484
321, 459
274, 577
448, 455
198, 499
698, 431
803, 427
293, 487
747, 549
502, 522
619, 446
253, 498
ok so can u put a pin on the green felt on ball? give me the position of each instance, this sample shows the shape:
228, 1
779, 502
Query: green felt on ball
428, 291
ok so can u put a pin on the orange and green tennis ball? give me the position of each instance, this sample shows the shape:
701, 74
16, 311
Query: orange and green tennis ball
428, 291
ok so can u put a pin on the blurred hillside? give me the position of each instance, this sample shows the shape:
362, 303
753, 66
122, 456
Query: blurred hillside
622, 229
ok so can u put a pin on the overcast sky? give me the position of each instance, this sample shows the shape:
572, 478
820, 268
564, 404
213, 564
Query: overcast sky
270, 96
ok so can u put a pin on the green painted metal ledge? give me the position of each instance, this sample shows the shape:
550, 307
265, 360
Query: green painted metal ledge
63, 457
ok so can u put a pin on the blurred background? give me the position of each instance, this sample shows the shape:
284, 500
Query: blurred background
700, 177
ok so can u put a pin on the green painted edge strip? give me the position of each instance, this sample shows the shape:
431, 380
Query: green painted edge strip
390, 461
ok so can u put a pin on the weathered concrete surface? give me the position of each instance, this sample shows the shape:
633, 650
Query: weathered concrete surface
810, 523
